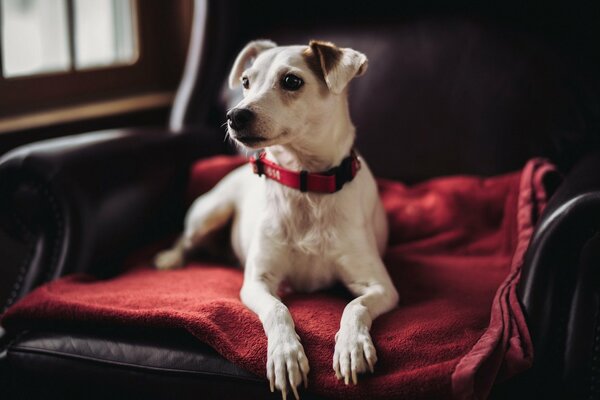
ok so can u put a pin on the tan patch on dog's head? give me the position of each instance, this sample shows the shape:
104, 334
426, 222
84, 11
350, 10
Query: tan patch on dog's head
329, 54
313, 62
313, 59
337, 66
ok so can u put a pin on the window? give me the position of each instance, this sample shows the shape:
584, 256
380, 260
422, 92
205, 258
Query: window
60, 54
34, 37
51, 36
104, 33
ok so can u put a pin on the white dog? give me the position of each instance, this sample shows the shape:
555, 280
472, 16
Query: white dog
313, 218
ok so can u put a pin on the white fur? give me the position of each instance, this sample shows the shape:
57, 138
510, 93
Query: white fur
248, 53
310, 240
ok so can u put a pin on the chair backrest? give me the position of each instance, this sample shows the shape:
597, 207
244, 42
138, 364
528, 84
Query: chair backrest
445, 93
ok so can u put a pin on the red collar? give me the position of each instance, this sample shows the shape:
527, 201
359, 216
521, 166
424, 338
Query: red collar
322, 182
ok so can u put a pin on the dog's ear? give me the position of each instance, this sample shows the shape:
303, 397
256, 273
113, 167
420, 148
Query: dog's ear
248, 53
339, 65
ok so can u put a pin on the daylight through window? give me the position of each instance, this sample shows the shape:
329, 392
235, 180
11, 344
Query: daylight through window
50, 36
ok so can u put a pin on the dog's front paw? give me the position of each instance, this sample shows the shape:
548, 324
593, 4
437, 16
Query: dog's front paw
354, 353
286, 363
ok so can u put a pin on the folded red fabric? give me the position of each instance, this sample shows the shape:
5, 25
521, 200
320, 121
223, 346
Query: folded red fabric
455, 253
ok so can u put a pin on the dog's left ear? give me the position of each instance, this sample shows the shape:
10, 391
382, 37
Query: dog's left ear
249, 52
339, 65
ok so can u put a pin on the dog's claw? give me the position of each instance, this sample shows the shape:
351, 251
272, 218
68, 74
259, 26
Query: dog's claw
370, 355
295, 392
354, 354
371, 368
287, 365
336, 366
304, 377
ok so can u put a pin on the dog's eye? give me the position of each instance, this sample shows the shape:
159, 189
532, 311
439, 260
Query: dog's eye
245, 82
291, 82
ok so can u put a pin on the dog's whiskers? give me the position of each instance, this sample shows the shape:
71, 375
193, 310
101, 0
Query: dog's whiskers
227, 135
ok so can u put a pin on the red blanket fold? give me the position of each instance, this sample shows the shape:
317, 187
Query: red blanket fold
456, 248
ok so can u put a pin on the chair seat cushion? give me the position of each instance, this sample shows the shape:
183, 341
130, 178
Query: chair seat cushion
124, 363
456, 248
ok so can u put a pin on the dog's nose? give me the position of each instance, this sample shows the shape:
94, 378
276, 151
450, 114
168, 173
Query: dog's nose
239, 118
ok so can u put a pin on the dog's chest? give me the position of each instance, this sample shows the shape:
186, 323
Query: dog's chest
308, 273
307, 227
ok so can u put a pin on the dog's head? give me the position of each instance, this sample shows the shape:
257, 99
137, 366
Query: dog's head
289, 91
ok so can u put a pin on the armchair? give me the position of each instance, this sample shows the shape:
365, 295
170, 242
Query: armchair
449, 91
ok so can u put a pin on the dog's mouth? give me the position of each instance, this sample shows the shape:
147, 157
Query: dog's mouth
255, 141
249, 140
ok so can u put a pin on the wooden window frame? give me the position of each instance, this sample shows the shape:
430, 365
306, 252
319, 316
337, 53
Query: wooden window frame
162, 29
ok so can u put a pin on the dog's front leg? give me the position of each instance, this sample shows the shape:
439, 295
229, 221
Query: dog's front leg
365, 277
286, 361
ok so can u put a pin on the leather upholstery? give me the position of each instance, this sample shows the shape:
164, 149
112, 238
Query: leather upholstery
118, 363
560, 283
214, 33
83, 202
179, 353
448, 91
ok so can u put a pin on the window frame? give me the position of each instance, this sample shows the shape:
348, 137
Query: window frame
149, 73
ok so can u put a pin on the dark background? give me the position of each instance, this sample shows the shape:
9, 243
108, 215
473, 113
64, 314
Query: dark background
570, 27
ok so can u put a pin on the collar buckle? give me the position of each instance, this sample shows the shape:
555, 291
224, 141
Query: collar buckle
258, 166
304, 181
346, 171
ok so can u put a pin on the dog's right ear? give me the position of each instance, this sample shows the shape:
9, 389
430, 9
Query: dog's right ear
248, 53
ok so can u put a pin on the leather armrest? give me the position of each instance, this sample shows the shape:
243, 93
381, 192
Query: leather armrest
559, 283
80, 203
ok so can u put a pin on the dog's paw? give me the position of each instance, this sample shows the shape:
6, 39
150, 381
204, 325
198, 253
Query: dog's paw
354, 354
169, 259
286, 364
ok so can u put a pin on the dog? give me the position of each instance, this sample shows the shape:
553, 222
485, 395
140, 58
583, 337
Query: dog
313, 217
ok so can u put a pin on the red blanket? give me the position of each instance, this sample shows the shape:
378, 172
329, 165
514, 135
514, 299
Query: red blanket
456, 248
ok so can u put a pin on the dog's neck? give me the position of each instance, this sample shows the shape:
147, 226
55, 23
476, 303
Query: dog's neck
324, 150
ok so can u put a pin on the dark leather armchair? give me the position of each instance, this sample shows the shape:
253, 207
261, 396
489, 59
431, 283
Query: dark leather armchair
449, 90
